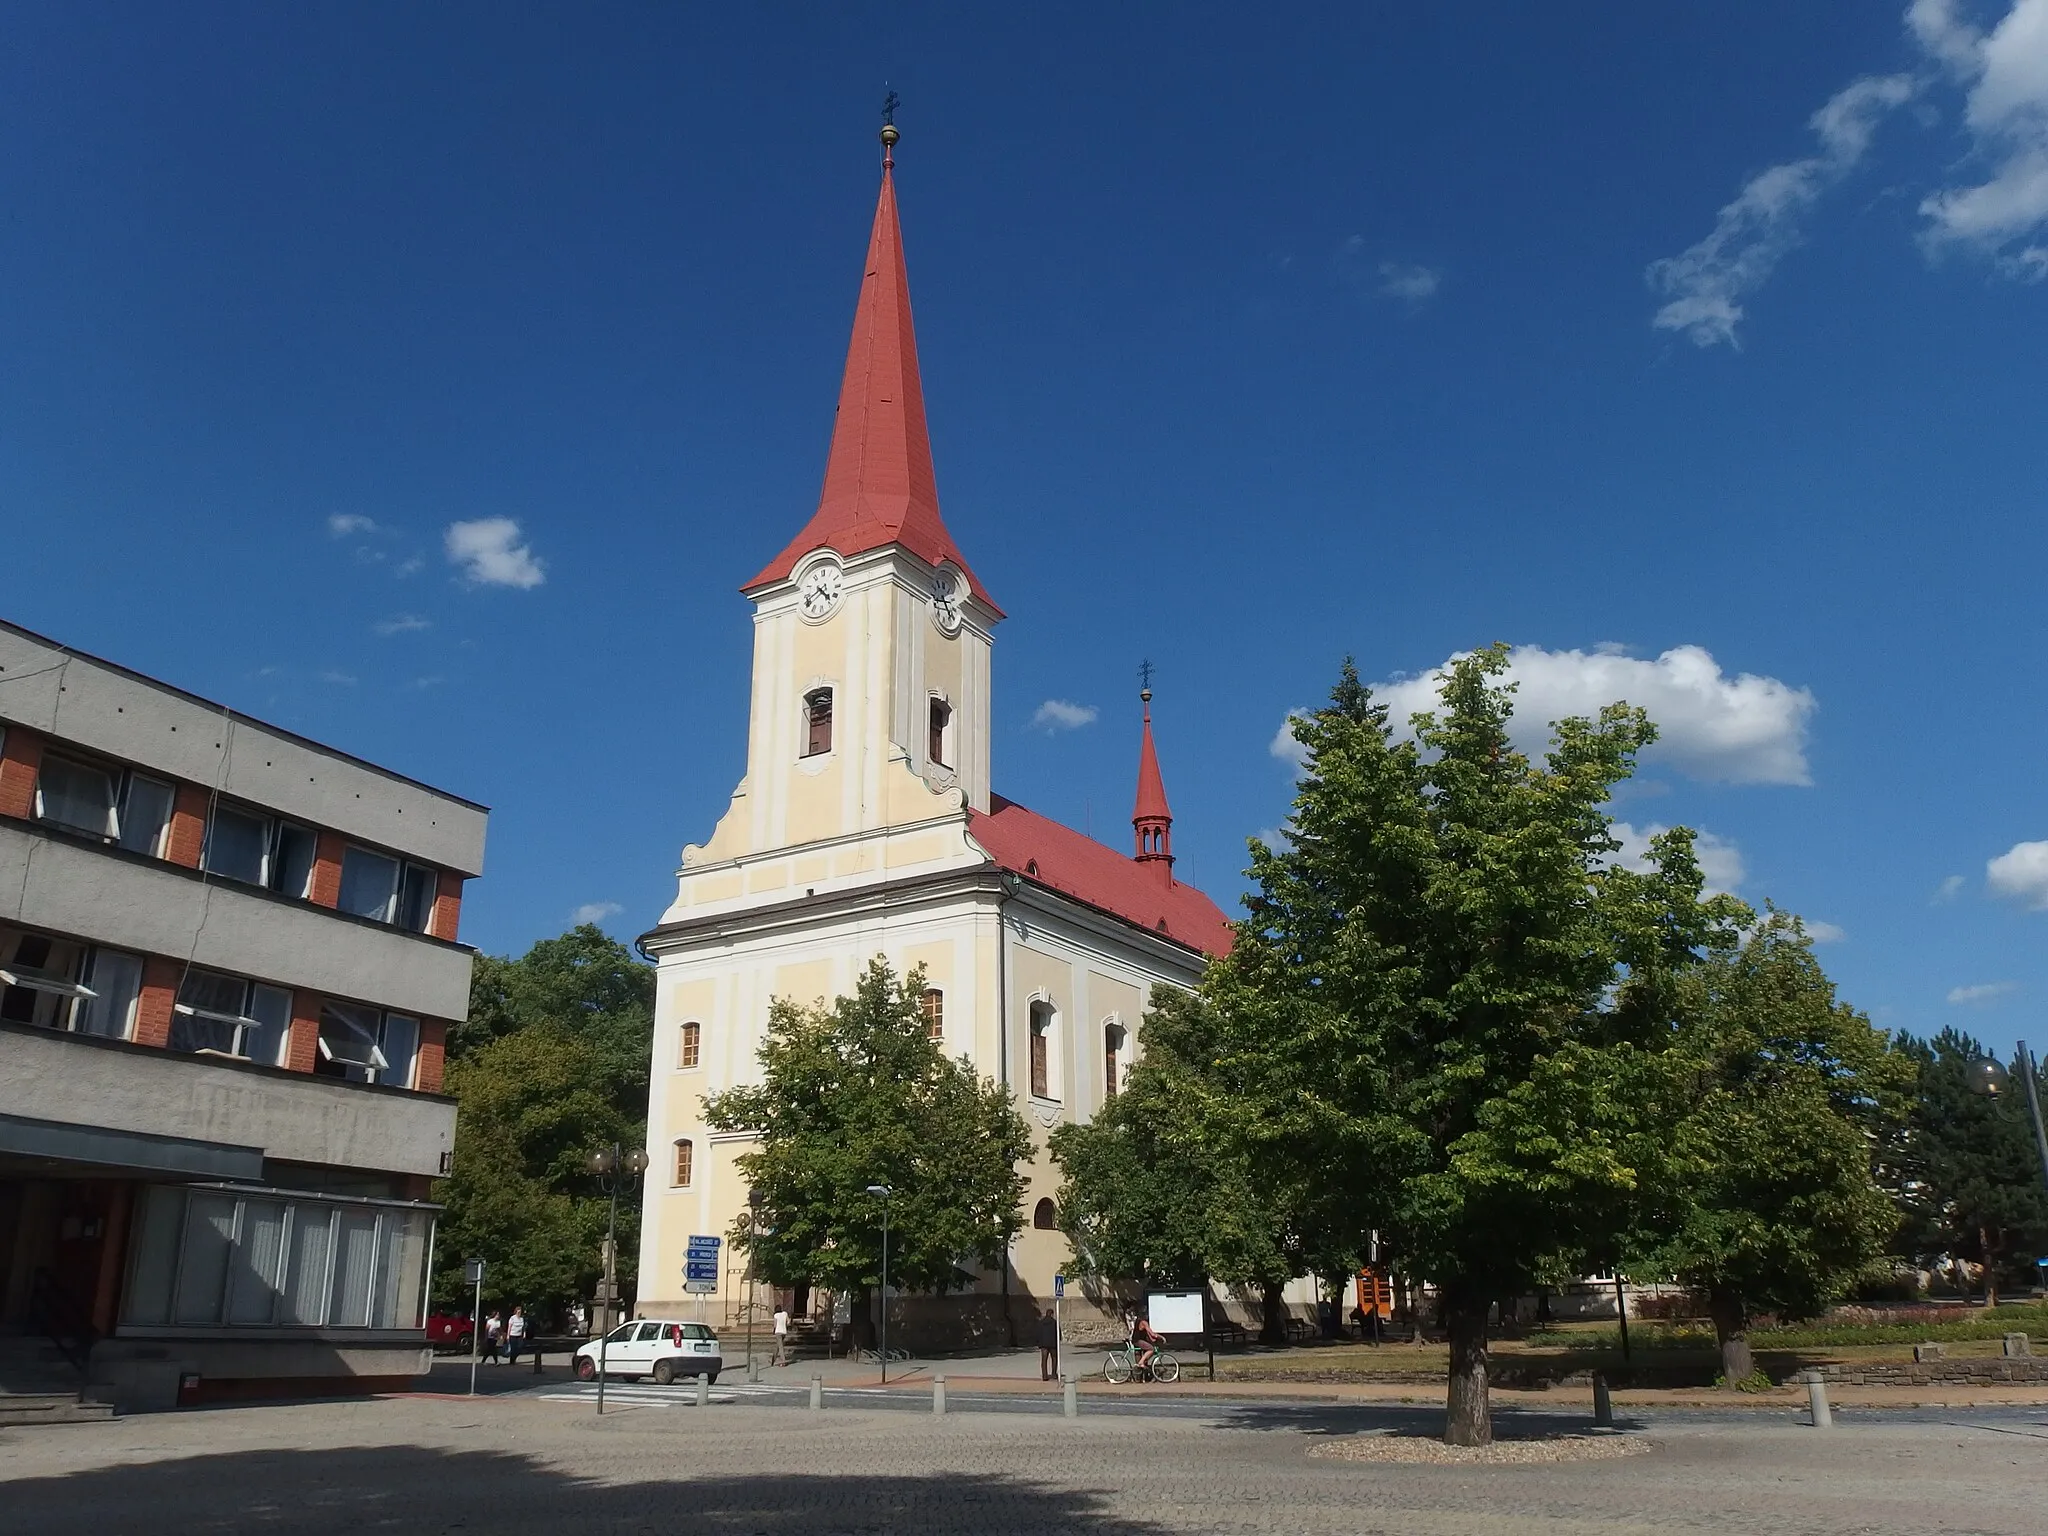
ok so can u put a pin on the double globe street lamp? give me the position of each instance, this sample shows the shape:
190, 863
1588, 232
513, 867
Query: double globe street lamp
613, 1165
1990, 1078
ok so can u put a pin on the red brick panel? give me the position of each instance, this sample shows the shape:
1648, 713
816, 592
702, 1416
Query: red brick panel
304, 1047
160, 978
20, 756
188, 827
325, 889
447, 916
433, 1056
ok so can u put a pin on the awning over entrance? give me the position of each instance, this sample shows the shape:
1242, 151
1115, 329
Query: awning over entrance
108, 1150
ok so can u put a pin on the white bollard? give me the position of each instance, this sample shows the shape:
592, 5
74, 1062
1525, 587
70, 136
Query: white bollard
1817, 1400
1603, 1403
939, 1395
703, 1391
1073, 1398
817, 1391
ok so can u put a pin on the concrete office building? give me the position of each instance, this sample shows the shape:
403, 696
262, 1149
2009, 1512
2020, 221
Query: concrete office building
228, 963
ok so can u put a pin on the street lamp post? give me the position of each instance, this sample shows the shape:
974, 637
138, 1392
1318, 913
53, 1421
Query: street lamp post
1989, 1078
613, 1166
884, 1191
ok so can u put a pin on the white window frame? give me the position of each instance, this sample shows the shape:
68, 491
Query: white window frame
110, 829
244, 1023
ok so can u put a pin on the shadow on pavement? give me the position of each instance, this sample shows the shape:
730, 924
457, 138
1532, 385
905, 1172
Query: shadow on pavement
407, 1488
1360, 1418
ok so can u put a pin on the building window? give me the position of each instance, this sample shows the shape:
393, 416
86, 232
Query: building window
1045, 1216
379, 887
39, 979
365, 1046
222, 1257
76, 796
1112, 1058
817, 722
146, 815
686, 1154
941, 739
115, 979
933, 1006
231, 1016
255, 849
1043, 1019
693, 1045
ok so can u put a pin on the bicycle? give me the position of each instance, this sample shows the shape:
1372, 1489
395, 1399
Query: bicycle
874, 1357
1122, 1366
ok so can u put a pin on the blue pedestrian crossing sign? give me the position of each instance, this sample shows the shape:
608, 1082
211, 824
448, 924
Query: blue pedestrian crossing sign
1059, 1287
700, 1265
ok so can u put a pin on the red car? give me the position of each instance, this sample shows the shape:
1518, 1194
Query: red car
445, 1331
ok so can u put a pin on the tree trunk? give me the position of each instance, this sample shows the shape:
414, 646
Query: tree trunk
1468, 1414
1990, 1267
1731, 1329
860, 1321
1272, 1315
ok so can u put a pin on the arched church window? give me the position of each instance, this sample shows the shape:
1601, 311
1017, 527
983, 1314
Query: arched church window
1112, 1058
685, 1157
1045, 1217
1043, 1018
693, 1045
817, 722
941, 744
933, 1006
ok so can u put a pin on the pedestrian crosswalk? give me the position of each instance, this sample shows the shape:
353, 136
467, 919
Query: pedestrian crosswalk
682, 1395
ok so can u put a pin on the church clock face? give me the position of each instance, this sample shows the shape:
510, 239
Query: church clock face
819, 591
949, 591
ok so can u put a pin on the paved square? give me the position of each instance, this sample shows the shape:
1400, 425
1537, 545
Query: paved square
518, 1465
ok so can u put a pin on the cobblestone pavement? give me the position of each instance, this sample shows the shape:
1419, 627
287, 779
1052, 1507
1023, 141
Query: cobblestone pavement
524, 1466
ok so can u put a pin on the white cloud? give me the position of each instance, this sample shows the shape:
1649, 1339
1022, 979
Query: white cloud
2021, 874
1406, 282
1275, 838
1983, 992
1732, 730
1706, 283
1720, 861
2006, 112
1063, 715
401, 624
1824, 933
339, 679
344, 525
594, 912
492, 554
1949, 889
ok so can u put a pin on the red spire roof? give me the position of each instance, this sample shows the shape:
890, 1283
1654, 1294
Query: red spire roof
880, 488
1151, 788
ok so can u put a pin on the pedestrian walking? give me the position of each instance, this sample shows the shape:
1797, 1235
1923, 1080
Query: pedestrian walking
494, 1333
515, 1335
1048, 1346
781, 1326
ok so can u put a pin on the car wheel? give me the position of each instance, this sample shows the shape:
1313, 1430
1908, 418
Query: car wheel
586, 1368
664, 1373
465, 1344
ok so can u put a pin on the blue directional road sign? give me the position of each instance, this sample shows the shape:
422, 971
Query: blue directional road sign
700, 1265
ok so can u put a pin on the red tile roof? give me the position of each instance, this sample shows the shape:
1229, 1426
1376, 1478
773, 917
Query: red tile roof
1061, 859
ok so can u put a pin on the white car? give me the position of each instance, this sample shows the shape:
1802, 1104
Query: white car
655, 1347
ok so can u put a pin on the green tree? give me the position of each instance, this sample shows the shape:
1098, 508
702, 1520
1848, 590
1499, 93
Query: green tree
1782, 1094
856, 1095
1968, 1175
1187, 1174
1478, 997
551, 1063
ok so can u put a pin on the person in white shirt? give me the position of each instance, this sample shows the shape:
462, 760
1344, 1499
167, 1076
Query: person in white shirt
781, 1326
492, 1329
515, 1334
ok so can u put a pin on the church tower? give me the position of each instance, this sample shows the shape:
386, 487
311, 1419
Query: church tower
867, 824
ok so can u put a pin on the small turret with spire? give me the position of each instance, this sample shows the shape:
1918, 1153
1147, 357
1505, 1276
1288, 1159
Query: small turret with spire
1152, 820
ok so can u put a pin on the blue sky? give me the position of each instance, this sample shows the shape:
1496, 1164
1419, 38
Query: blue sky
426, 379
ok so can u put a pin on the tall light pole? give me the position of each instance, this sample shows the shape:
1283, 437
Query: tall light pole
885, 1192
1986, 1076
613, 1166
750, 1217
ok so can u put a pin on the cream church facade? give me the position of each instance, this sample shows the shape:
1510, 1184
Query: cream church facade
867, 825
